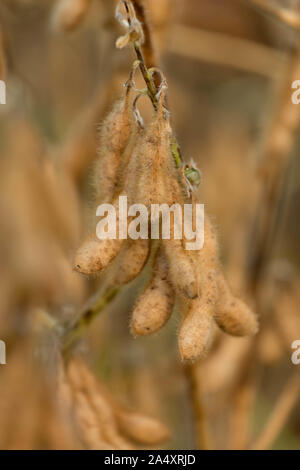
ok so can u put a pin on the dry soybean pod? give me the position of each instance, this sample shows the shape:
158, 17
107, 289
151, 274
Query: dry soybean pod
131, 261
183, 270
157, 172
87, 385
95, 255
155, 305
115, 132
232, 315
196, 331
141, 428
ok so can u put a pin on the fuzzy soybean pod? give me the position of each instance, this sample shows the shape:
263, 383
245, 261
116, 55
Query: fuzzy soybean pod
131, 261
158, 178
93, 404
196, 330
130, 167
232, 315
141, 428
115, 133
184, 264
94, 255
183, 270
155, 305
207, 256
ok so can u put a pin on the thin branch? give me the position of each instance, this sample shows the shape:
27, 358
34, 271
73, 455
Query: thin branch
243, 399
280, 414
203, 432
279, 140
147, 47
278, 143
96, 306
152, 90
151, 85
2, 57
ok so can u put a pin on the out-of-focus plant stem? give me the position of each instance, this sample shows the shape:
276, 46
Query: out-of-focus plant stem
280, 414
243, 400
203, 434
278, 143
76, 331
2, 58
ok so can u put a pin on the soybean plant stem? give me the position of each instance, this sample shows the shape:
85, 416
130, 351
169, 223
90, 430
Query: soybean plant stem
75, 332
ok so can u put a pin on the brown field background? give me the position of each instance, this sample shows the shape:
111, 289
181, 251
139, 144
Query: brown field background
229, 66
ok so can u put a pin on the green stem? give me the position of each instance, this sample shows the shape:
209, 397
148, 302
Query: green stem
191, 174
152, 91
146, 75
77, 330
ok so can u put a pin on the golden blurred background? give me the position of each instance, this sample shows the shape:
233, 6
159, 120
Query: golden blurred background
229, 65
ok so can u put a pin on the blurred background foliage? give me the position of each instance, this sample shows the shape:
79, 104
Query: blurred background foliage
225, 62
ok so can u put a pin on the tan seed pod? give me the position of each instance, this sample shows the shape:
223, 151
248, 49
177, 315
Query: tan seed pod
232, 314
95, 255
114, 136
141, 428
188, 267
131, 261
87, 423
183, 271
207, 257
64, 392
129, 169
102, 422
158, 179
68, 14
196, 331
107, 421
96, 410
155, 305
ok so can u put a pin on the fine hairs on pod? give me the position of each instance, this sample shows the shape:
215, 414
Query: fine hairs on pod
154, 306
